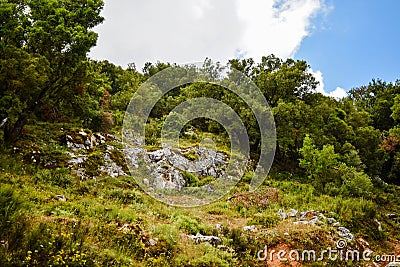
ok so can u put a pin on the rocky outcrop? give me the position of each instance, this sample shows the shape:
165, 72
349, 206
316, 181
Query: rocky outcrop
165, 168
83, 145
167, 165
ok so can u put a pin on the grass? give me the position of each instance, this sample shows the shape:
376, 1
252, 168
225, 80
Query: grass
111, 222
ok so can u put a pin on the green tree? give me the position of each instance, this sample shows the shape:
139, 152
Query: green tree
43, 48
329, 174
278, 79
292, 120
337, 129
396, 109
319, 164
377, 98
367, 142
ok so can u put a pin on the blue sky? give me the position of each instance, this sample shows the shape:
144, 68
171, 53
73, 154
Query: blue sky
356, 41
346, 42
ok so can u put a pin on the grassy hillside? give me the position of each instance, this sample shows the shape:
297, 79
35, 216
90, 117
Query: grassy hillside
50, 216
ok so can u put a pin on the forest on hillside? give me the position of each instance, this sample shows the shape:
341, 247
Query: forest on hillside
337, 155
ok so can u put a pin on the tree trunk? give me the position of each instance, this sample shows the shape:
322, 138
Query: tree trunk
12, 132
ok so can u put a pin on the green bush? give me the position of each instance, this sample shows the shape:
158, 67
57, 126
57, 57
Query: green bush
191, 155
356, 184
205, 180
112, 257
168, 236
58, 177
10, 204
93, 163
220, 208
100, 121
127, 196
188, 224
193, 226
265, 219
190, 179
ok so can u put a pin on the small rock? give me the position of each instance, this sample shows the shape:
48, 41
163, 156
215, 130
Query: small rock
303, 214
293, 213
286, 234
344, 232
153, 241
219, 227
336, 224
100, 137
391, 216
208, 188
109, 148
60, 198
126, 228
251, 228
282, 214
88, 143
199, 238
314, 220
331, 220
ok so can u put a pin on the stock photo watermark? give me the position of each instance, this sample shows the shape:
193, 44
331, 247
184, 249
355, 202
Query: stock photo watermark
341, 253
141, 162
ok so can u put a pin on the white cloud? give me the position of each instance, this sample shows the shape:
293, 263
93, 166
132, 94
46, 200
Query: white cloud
275, 29
185, 31
338, 93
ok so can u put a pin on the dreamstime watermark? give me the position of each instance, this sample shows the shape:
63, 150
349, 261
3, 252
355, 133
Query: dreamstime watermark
340, 253
231, 80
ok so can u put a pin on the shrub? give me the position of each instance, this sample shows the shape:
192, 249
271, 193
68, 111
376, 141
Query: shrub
210, 260
101, 121
205, 180
355, 183
127, 196
93, 163
167, 235
188, 224
266, 219
220, 208
58, 177
262, 197
191, 180
191, 155
193, 226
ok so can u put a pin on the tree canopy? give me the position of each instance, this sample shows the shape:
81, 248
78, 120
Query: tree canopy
43, 48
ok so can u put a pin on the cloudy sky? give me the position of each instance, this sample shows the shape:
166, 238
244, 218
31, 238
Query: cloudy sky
346, 42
